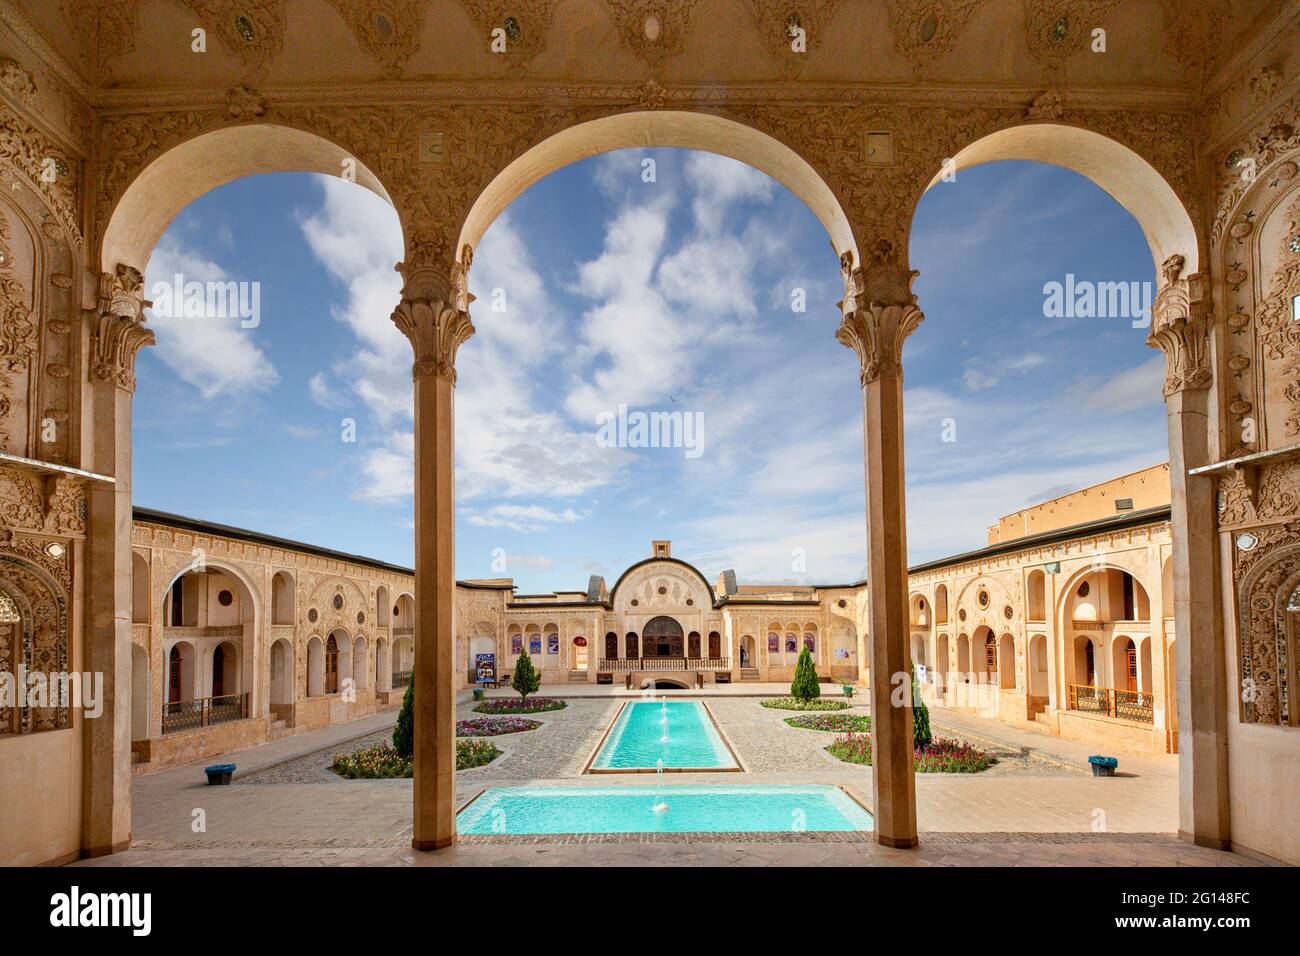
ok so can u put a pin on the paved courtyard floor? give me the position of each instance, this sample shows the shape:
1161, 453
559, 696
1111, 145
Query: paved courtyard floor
1038, 805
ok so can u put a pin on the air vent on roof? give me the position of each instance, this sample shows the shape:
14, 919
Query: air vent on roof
1123, 504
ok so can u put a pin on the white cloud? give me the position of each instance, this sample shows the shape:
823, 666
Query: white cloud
1124, 391
718, 183
213, 353
523, 518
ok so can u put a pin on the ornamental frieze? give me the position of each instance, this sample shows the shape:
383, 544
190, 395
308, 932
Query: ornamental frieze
42, 167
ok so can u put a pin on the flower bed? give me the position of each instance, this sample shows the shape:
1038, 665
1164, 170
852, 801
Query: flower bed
513, 705
941, 756
832, 723
382, 762
817, 703
494, 726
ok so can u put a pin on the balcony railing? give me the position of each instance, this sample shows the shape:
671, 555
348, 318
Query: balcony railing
625, 665
1112, 702
203, 712
403, 631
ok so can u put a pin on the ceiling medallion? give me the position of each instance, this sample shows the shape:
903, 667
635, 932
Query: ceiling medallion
1061, 29
793, 25
929, 27
1246, 541
1234, 159
383, 26
244, 27
513, 31
55, 550
652, 27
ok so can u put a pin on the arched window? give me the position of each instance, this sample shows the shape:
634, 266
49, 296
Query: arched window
715, 644
174, 676
693, 644
611, 646
991, 655
219, 671
331, 666
633, 647
663, 637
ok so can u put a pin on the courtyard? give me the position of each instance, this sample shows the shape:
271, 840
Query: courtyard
1037, 805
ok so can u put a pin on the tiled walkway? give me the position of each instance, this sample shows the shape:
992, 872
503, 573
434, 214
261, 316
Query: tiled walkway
1039, 806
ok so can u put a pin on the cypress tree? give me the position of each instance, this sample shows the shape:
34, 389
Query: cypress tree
526, 680
921, 735
404, 729
805, 686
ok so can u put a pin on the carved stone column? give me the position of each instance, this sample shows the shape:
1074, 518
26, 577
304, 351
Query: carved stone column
434, 315
117, 335
1180, 328
879, 312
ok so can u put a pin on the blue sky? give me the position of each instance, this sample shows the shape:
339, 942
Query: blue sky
671, 295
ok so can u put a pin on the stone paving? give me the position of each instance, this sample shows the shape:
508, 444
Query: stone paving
1038, 806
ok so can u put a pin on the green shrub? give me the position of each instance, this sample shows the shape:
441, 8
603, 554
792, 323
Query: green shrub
526, 680
382, 762
793, 703
921, 735
805, 685
404, 729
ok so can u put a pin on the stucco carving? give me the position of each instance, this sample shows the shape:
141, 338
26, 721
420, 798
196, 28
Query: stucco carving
879, 312
390, 34
119, 331
1180, 329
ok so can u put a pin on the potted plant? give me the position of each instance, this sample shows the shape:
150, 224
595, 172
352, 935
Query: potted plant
848, 689
478, 693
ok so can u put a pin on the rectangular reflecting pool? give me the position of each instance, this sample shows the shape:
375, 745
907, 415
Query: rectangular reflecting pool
681, 733
743, 808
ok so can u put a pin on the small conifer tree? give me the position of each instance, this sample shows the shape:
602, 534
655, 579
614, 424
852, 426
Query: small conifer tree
404, 729
921, 735
805, 686
526, 680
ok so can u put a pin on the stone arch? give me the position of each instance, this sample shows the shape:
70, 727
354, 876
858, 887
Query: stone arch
663, 128
283, 604
1269, 639
201, 163
139, 589
281, 673
941, 604
315, 666
1130, 179
38, 640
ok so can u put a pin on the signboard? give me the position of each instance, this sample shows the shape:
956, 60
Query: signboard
485, 668
920, 673
535, 644
516, 644
552, 643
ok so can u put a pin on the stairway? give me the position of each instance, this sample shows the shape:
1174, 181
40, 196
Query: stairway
749, 673
277, 729
577, 677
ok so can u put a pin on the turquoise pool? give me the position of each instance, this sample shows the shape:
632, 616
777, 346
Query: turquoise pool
742, 808
678, 732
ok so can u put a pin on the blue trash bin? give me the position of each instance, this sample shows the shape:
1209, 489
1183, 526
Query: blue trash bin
219, 774
1103, 766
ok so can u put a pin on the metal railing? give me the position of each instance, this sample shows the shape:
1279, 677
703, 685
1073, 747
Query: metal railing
1113, 702
203, 712
622, 665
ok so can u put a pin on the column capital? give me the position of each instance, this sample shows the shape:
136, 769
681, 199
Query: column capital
434, 311
878, 311
1180, 328
119, 330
